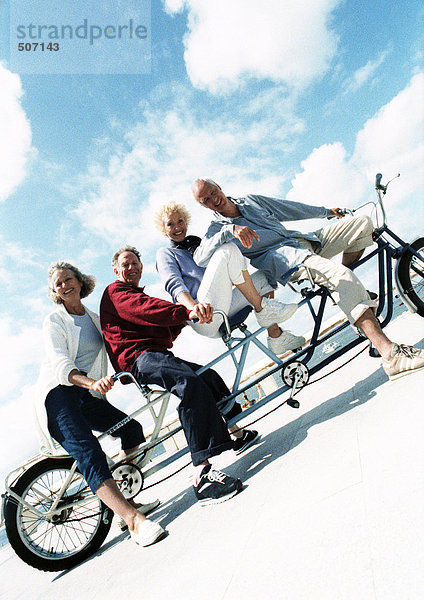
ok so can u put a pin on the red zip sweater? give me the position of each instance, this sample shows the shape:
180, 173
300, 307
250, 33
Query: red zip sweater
133, 322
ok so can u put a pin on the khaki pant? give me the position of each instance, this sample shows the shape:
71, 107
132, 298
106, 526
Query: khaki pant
346, 235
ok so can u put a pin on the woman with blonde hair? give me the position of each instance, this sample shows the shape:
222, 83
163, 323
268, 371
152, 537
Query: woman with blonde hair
225, 284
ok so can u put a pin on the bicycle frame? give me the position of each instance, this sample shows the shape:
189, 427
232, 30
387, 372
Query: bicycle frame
385, 252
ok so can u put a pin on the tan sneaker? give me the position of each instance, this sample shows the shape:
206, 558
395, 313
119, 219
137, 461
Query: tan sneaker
404, 360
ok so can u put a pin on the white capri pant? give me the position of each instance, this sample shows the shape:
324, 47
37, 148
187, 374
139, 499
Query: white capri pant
224, 270
346, 235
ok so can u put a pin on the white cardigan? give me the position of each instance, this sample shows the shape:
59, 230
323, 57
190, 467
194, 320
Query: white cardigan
61, 339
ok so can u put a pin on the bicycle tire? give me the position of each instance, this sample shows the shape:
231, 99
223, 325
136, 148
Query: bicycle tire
77, 532
410, 273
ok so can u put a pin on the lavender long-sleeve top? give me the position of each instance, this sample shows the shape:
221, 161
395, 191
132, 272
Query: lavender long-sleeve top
178, 272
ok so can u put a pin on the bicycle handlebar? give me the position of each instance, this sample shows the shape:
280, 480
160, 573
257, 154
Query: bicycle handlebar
378, 184
342, 212
381, 191
118, 376
216, 312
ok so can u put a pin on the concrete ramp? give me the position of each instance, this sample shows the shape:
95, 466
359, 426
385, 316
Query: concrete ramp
332, 509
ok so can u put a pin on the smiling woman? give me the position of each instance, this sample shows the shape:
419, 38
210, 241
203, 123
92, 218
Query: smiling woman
71, 395
68, 285
225, 284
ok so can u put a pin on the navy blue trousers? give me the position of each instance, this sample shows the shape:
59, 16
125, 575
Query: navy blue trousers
72, 415
204, 428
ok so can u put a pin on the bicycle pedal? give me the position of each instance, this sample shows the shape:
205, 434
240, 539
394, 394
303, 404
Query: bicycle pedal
293, 403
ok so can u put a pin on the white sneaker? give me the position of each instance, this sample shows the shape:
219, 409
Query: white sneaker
284, 342
144, 509
274, 312
148, 533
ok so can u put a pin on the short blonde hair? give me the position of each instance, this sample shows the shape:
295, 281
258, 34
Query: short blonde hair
166, 210
87, 282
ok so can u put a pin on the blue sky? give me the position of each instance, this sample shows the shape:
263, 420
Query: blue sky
304, 100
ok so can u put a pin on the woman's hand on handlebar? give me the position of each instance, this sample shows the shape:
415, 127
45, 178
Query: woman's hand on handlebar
202, 312
103, 385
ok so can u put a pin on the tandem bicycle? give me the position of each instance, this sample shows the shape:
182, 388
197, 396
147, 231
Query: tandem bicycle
53, 521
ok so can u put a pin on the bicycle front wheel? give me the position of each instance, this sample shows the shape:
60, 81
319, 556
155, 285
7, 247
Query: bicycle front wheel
68, 537
410, 272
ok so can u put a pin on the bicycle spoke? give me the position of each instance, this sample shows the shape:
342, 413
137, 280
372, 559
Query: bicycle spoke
71, 527
417, 276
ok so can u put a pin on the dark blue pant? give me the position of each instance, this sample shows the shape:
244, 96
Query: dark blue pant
204, 428
72, 414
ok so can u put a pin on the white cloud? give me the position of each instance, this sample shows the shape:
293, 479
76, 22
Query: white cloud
327, 179
364, 73
169, 148
19, 439
390, 142
20, 287
393, 140
23, 355
14, 256
174, 6
15, 139
290, 42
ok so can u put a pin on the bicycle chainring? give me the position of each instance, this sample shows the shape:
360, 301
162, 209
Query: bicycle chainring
295, 374
128, 478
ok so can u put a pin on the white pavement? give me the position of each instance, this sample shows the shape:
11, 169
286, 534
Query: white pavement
333, 507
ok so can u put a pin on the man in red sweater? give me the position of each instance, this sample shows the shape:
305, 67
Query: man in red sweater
139, 331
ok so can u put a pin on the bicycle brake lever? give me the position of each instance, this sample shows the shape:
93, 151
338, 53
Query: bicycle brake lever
378, 184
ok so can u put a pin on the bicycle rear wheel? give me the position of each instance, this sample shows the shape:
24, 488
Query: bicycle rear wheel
64, 540
410, 274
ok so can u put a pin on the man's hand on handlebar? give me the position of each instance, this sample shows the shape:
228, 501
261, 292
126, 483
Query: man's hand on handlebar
339, 213
202, 312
